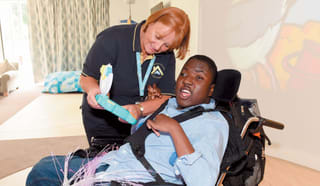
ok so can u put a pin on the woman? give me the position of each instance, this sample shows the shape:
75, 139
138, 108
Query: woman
140, 55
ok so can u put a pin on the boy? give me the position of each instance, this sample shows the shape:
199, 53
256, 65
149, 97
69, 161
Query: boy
190, 151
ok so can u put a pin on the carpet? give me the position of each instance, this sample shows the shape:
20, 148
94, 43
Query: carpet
17, 155
16, 100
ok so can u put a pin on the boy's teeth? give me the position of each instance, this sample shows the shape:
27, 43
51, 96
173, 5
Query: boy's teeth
185, 91
184, 94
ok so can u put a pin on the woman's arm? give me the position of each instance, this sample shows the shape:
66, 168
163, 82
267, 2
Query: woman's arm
145, 108
150, 106
153, 101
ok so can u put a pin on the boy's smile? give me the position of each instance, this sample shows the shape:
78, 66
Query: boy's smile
185, 93
194, 84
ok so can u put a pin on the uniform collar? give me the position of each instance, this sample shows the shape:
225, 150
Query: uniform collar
136, 47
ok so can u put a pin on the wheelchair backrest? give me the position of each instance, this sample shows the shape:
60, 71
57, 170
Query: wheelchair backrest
244, 159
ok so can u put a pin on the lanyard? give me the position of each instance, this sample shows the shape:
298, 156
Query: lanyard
142, 82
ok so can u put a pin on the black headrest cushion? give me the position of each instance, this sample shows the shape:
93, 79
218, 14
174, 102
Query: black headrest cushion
227, 85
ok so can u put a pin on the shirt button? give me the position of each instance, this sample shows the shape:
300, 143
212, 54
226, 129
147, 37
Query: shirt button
177, 172
114, 162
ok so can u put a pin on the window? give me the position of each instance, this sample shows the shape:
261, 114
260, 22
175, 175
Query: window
14, 32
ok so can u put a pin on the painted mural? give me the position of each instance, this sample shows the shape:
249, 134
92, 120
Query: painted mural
283, 50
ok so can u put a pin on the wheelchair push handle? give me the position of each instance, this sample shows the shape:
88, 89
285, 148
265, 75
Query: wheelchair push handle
271, 123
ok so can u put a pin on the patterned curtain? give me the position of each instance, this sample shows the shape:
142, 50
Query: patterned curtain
62, 32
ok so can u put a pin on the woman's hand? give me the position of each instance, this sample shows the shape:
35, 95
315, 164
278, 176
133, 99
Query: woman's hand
134, 110
91, 98
162, 123
91, 87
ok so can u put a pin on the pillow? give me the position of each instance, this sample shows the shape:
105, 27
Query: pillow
6, 66
61, 82
10, 66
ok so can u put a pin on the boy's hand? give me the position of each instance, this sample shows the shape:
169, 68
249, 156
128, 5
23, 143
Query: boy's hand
162, 123
153, 92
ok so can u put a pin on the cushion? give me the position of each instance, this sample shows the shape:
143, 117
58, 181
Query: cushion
62, 82
227, 85
11, 66
6, 66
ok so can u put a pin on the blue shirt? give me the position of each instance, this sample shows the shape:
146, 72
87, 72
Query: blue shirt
208, 135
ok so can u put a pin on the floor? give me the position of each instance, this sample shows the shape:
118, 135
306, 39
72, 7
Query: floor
15, 179
49, 124
16, 100
29, 121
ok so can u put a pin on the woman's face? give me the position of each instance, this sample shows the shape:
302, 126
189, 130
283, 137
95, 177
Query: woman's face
157, 38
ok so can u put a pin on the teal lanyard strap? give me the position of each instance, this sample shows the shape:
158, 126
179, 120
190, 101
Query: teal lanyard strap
142, 83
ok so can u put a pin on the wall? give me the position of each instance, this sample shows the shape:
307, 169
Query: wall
119, 10
276, 46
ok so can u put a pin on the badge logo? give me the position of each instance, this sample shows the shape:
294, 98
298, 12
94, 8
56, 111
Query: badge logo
157, 71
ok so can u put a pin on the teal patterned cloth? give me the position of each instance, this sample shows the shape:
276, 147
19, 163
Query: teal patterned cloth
62, 82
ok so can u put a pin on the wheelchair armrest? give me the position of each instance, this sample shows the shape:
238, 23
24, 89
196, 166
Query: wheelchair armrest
247, 124
263, 121
271, 123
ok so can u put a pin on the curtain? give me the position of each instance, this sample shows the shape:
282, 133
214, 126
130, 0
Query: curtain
62, 32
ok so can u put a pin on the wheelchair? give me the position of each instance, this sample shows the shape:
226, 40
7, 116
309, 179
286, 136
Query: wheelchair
244, 159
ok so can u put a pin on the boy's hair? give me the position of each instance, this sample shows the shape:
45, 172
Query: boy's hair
212, 65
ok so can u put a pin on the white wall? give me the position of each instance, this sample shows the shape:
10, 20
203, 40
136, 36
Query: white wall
119, 10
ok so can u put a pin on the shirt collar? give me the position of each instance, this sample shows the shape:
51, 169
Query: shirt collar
210, 105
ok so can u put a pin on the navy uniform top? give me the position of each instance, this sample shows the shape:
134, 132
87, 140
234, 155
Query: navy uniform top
118, 45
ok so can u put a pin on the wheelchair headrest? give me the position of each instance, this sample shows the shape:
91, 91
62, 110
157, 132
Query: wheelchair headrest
227, 85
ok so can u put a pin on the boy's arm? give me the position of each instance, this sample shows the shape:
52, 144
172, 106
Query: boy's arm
164, 123
181, 141
202, 158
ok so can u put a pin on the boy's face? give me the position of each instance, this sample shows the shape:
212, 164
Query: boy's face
194, 84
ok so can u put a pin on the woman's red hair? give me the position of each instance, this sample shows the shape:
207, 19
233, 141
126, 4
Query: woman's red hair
178, 20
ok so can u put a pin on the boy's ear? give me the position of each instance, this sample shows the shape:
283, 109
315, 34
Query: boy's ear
211, 90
